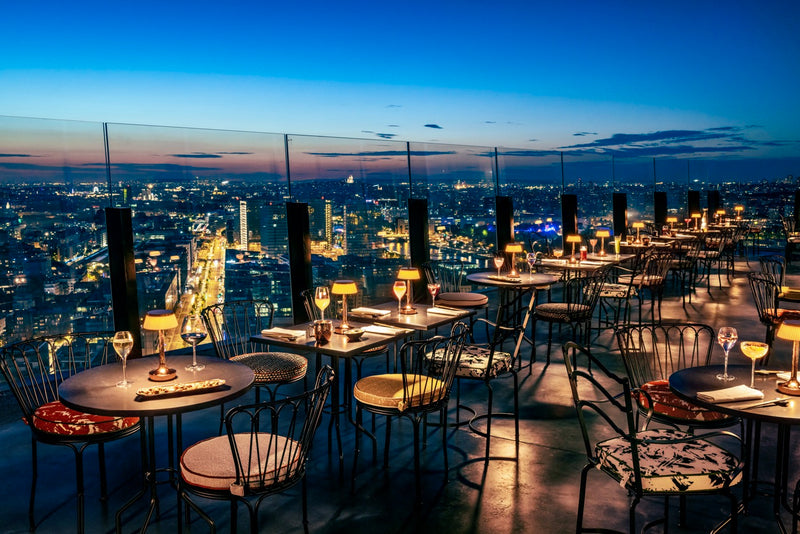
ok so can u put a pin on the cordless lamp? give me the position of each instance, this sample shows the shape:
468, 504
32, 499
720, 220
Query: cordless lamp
696, 216
738, 210
408, 275
574, 238
790, 330
343, 288
161, 320
603, 234
638, 225
670, 221
513, 248
719, 213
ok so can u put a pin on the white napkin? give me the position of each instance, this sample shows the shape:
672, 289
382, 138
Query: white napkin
384, 330
283, 333
731, 394
443, 311
370, 311
785, 375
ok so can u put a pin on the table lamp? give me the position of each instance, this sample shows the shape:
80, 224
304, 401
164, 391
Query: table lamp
719, 213
343, 288
696, 216
408, 275
670, 221
161, 320
638, 225
790, 330
513, 248
738, 210
603, 234
574, 238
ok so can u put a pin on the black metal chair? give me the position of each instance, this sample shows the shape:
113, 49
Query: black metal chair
449, 276
663, 462
427, 370
765, 296
265, 451
775, 266
34, 369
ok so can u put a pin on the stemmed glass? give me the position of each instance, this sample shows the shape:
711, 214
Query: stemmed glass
123, 343
557, 253
433, 289
498, 262
322, 299
399, 289
531, 257
754, 350
193, 332
726, 337
593, 242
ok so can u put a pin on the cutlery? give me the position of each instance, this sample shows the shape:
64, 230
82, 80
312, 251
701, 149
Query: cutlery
778, 402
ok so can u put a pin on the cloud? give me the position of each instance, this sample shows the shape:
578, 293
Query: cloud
490, 122
436, 126
367, 131
394, 106
198, 155
18, 156
401, 153
582, 134
235, 153
393, 126
386, 135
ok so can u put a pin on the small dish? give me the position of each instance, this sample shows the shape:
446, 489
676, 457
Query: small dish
354, 334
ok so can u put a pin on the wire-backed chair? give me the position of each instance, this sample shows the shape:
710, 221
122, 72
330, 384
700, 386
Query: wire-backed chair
265, 450
765, 296
449, 275
775, 266
34, 369
663, 462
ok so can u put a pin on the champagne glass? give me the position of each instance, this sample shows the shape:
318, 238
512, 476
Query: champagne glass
193, 331
531, 257
557, 253
498, 262
754, 350
123, 343
322, 299
433, 289
593, 242
399, 289
726, 337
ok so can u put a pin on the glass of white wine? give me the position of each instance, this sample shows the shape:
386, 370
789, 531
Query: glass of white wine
399, 289
499, 260
193, 332
123, 343
593, 243
531, 257
322, 299
433, 289
726, 337
754, 350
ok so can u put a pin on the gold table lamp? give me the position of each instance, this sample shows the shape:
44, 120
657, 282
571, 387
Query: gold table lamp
574, 238
790, 330
161, 320
513, 248
738, 210
719, 213
343, 288
638, 225
408, 275
670, 221
696, 216
603, 234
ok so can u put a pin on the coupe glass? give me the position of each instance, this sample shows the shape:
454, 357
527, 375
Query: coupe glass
123, 343
754, 350
531, 257
399, 289
433, 289
557, 253
498, 262
726, 337
322, 299
593, 242
193, 332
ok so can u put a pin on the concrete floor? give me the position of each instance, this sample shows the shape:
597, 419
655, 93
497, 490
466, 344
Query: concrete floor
536, 494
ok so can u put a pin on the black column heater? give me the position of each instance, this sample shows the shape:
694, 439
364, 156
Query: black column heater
418, 241
569, 216
620, 214
299, 257
660, 209
122, 268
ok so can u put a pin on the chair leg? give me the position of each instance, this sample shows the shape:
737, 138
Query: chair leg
582, 497
304, 490
101, 456
356, 448
34, 476
549, 340
443, 421
417, 481
80, 496
489, 421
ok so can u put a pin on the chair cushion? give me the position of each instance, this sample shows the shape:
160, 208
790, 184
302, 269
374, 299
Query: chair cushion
696, 465
462, 299
665, 402
474, 361
789, 293
559, 311
55, 418
647, 280
386, 391
617, 291
274, 367
209, 463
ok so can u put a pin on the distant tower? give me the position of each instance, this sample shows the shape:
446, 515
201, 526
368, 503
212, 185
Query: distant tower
243, 224
320, 215
274, 231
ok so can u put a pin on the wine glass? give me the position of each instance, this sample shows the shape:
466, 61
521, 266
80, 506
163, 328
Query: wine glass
726, 337
557, 253
531, 257
123, 343
193, 331
399, 289
754, 350
593, 242
498, 262
322, 299
433, 289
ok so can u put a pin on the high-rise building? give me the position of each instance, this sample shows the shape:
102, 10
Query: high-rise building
243, 224
274, 229
320, 219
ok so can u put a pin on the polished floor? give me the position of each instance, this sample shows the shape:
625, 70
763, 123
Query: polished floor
537, 493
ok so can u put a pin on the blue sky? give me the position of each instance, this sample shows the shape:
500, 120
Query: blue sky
678, 79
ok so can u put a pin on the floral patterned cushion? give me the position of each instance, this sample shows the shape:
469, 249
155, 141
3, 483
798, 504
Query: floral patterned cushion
665, 402
55, 418
475, 360
617, 291
696, 465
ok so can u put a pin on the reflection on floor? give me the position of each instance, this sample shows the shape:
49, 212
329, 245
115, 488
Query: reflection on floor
536, 494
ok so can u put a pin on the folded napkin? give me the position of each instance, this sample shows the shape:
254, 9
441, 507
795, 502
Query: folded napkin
786, 375
731, 394
384, 330
370, 311
283, 333
591, 262
443, 311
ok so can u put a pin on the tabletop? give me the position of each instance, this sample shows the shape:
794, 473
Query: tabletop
687, 382
522, 281
420, 321
94, 390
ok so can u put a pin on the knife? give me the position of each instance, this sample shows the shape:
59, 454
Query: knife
782, 401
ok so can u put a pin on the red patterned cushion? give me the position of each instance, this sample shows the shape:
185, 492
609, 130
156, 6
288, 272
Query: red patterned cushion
665, 402
56, 418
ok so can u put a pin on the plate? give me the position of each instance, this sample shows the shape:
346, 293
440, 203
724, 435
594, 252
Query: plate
200, 386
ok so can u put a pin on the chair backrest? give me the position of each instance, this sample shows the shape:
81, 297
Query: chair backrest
429, 368
271, 441
773, 265
308, 303
230, 325
656, 268
34, 368
765, 296
447, 274
788, 225
653, 352
581, 293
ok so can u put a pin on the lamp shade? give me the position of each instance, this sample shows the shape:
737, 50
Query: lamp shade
513, 247
638, 224
160, 320
696, 215
574, 238
603, 233
720, 212
408, 273
344, 287
789, 330
672, 219
738, 208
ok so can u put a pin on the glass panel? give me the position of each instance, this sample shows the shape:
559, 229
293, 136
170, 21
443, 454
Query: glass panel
52, 239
